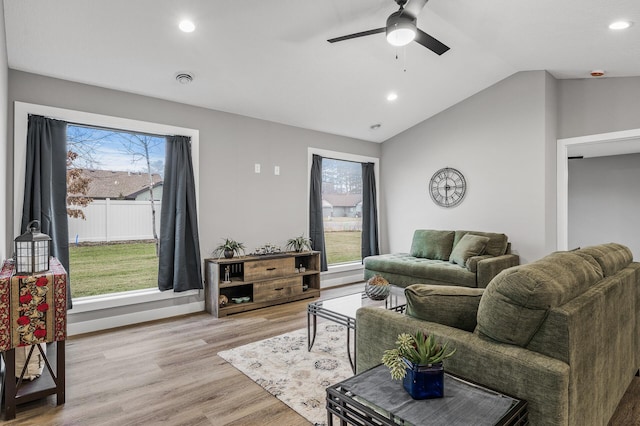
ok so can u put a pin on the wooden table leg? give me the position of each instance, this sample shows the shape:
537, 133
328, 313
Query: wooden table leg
60, 373
10, 384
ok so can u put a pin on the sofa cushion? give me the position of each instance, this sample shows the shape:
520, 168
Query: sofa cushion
517, 300
432, 244
468, 246
611, 257
424, 270
449, 305
496, 246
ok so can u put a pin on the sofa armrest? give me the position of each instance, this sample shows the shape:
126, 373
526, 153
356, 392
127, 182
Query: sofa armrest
490, 267
540, 380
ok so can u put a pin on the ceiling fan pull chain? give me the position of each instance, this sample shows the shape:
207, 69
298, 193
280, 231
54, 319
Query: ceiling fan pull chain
405, 58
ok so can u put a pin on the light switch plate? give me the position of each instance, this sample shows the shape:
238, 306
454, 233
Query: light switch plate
257, 167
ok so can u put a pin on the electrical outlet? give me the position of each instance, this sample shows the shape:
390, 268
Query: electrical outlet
276, 170
257, 167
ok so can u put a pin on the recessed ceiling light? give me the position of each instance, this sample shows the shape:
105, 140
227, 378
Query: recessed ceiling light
187, 26
619, 25
375, 126
392, 96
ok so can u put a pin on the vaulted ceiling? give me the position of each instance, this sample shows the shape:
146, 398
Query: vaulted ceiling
271, 59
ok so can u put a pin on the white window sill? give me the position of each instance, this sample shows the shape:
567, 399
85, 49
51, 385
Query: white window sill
95, 303
344, 267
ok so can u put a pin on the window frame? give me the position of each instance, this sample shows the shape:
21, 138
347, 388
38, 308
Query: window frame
337, 155
22, 110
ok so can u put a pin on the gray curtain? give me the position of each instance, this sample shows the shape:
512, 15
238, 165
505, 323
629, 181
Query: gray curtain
45, 186
179, 259
369, 212
316, 227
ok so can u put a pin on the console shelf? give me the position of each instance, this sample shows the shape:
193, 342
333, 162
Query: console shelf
265, 280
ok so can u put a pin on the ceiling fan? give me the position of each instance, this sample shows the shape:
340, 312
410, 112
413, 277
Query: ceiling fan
402, 29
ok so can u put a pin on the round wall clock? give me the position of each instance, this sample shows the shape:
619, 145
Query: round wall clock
447, 187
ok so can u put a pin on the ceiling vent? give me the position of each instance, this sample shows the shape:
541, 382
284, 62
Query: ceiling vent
184, 78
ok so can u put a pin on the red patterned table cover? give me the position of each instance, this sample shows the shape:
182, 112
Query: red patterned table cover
33, 308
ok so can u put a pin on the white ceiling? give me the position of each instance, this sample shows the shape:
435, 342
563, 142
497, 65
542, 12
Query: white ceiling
271, 60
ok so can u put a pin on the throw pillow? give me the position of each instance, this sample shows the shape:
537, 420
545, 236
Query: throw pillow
432, 244
468, 246
454, 306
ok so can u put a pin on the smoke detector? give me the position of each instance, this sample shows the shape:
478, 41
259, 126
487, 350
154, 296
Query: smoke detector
597, 73
184, 78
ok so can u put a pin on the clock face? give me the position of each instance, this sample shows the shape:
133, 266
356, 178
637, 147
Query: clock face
447, 187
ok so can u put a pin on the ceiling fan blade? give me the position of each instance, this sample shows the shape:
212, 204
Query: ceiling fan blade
430, 43
356, 35
414, 7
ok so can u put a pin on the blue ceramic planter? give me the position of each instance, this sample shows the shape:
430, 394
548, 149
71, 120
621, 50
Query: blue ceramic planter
424, 381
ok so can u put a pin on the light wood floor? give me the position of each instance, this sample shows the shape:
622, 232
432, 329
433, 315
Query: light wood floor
167, 373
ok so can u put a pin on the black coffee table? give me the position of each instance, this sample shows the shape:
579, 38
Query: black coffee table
342, 310
372, 398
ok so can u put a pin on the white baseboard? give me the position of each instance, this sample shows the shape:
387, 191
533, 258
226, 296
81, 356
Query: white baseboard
132, 318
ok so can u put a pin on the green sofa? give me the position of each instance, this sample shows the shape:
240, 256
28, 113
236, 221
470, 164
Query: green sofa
462, 258
561, 333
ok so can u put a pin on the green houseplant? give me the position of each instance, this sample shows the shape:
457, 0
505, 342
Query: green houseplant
299, 244
229, 248
417, 360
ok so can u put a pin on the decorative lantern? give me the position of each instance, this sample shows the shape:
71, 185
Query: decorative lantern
32, 250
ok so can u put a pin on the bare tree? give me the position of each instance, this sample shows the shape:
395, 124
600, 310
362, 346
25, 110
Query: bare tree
139, 147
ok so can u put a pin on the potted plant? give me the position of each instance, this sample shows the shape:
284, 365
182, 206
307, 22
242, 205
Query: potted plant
417, 360
299, 244
229, 248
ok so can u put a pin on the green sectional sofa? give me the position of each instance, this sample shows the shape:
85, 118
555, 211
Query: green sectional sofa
462, 258
562, 333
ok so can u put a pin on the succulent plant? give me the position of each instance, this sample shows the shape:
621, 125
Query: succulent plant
419, 349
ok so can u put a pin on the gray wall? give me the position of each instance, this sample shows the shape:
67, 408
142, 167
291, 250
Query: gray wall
503, 141
604, 200
5, 140
234, 201
592, 106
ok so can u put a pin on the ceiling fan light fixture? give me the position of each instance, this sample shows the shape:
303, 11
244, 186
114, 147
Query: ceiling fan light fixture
401, 28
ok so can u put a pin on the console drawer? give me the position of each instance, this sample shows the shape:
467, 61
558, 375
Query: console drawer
268, 268
276, 289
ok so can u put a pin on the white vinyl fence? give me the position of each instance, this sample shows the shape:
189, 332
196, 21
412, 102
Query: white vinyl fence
115, 220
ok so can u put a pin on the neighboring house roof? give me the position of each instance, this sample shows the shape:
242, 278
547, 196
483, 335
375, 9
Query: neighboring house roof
343, 200
118, 184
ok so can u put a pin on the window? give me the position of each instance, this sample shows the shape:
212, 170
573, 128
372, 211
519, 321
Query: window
114, 185
22, 110
342, 210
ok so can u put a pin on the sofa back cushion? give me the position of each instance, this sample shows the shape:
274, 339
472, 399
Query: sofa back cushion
611, 257
517, 301
432, 244
496, 246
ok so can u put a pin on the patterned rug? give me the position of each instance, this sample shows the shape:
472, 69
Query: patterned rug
283, 366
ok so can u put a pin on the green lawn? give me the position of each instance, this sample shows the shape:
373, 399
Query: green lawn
343, 246
111, 268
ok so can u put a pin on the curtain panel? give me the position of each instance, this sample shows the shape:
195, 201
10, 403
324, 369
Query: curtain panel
369, 212
45, 186
179, 256
316, 225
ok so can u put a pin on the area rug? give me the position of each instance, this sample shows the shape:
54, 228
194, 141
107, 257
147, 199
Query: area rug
299, 378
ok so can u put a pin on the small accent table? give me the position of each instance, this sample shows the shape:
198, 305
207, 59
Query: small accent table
33, 309
342, 310
372, 398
